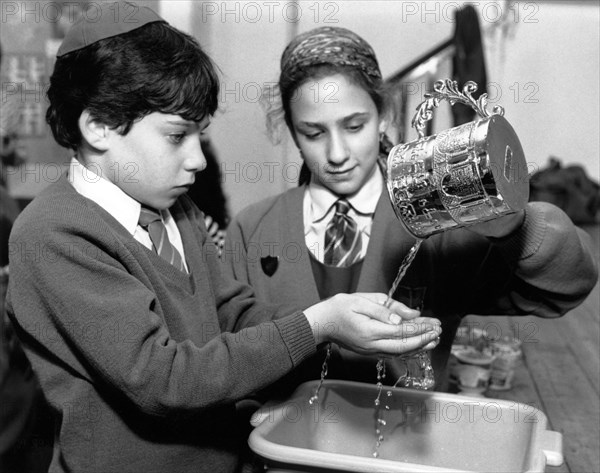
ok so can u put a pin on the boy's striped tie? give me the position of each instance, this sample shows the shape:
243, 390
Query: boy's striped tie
343, 241
151, 221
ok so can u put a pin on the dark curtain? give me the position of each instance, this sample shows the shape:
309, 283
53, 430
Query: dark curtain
468, 62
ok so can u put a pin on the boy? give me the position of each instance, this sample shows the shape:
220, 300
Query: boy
115, 289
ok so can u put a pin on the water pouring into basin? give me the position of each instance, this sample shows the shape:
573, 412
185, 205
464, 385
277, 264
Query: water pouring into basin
462, 176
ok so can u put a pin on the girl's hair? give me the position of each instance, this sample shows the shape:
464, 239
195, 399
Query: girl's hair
317, 54
289, 85
121, 79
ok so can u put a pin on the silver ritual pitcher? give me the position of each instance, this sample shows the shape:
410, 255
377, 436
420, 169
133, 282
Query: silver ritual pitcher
462, 176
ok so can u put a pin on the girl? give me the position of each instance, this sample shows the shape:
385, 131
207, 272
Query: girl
337, 231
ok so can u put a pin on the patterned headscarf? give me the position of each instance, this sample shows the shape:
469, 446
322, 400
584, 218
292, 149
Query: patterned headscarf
326, 45
329, 45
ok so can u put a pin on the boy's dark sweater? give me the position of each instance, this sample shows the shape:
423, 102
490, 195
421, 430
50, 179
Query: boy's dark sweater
138, 360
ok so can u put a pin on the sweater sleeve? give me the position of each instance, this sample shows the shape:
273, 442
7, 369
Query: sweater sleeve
546, 268
553, 258
74, 296
232, 289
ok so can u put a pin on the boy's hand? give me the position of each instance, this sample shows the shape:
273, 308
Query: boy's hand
360, 322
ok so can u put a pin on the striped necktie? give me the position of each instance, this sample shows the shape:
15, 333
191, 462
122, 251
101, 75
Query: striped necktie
151, 221
343, 241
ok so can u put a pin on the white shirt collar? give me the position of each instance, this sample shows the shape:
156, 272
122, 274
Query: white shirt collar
363, 202
88, 181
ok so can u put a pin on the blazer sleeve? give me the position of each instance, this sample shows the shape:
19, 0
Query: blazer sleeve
545, 268
234, 256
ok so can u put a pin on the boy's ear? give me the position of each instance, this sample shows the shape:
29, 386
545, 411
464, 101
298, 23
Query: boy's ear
95, 133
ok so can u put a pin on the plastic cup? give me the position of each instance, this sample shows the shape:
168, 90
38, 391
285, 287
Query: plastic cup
507, 353
472, 370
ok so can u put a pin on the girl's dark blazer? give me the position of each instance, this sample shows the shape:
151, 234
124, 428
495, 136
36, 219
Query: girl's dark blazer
272, 232
462, 272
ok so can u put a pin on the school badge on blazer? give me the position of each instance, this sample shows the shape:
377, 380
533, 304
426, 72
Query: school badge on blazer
269, 264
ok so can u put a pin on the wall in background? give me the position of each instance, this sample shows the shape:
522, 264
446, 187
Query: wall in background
549, 82
30, 34
542, 62
542, 59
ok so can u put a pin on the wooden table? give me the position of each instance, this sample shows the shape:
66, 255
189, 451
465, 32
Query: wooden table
560, 374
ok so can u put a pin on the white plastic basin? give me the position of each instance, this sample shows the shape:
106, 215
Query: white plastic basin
424, 431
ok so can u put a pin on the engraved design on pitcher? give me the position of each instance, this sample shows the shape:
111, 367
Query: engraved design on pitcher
457, 174
450, 180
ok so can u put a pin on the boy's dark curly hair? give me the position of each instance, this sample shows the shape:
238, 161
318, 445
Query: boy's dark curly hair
119, 80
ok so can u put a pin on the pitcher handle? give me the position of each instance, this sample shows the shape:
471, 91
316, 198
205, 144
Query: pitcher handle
447, 89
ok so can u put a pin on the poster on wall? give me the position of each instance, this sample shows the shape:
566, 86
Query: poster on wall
32, 33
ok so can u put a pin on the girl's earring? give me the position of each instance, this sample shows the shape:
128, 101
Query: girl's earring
385, 145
